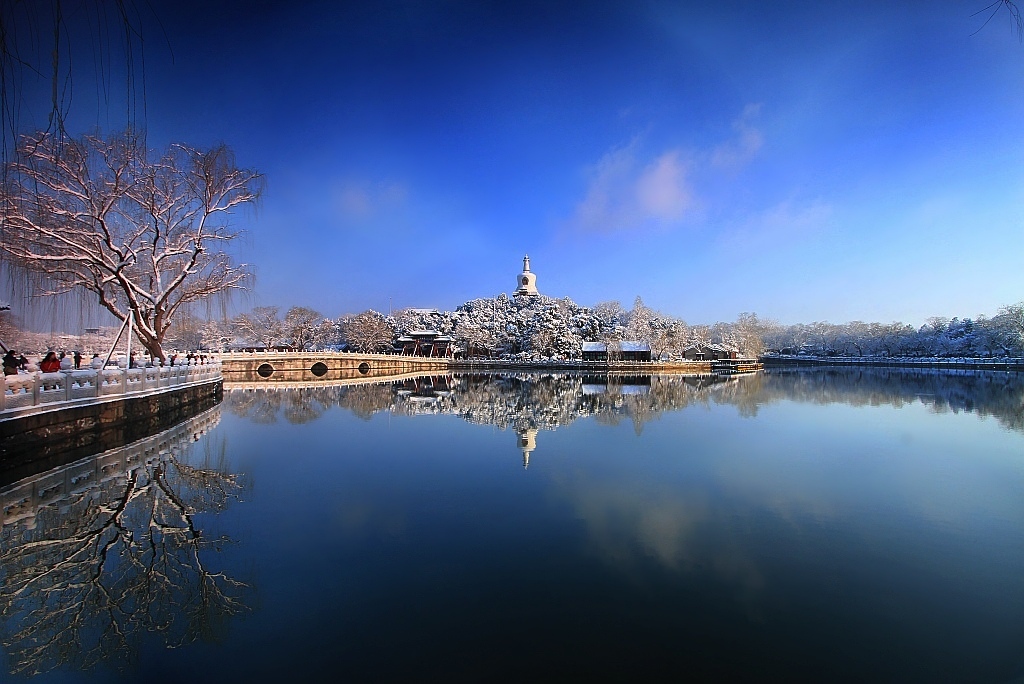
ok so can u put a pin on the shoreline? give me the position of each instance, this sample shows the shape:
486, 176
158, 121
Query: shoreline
1009, 364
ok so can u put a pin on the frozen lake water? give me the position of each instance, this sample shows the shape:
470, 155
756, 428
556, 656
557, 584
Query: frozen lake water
804, 525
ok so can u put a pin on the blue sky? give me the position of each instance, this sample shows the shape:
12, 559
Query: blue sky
807, 161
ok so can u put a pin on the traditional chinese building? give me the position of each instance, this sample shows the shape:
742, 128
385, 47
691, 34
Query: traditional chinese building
626, 350
425, 343
709, 352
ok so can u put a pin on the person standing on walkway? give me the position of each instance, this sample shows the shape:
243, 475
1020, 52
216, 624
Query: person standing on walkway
78, 359
11, 362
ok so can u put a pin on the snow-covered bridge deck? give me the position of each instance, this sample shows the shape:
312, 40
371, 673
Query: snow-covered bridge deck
33, 392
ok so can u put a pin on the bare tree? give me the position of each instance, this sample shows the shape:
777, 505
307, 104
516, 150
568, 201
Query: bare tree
368, 332
146, 234
261, 326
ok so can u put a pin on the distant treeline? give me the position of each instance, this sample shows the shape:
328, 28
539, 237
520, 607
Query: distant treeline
546, 328
999, 336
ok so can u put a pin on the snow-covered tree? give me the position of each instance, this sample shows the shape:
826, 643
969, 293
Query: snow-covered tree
1010, 322
215, 335
700, 334
368, 332
749, 334
261, 326
304, 327
640, 319
145, 233
610, 313
670, 340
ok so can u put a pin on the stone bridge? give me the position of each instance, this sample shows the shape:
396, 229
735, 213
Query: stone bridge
269, 367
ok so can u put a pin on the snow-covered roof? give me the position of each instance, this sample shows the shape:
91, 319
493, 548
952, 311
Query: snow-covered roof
624, 345
423, 333
424, 311
712, 346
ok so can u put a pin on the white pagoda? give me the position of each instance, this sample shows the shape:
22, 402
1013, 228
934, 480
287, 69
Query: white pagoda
526, 283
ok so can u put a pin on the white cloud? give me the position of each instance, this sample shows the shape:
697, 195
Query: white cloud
630, 191
627, 195
781, 226
735, 153
662, 191
359, 199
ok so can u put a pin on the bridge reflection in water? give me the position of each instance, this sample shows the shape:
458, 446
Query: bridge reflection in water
98, 553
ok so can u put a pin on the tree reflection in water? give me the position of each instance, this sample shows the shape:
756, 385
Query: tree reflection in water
304, 404
96, 554
529, 401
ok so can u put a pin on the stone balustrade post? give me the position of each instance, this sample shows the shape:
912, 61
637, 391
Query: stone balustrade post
36, 384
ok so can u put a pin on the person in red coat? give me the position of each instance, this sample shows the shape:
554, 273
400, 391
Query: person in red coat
50, 364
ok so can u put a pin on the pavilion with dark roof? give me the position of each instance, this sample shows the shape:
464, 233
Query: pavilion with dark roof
425, 343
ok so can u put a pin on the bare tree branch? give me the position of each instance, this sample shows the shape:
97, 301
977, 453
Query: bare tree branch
991, 10
91, 571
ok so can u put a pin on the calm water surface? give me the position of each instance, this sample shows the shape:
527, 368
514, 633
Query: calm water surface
814, 525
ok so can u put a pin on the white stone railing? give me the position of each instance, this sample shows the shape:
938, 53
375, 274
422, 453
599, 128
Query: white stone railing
234, 355
39, 389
